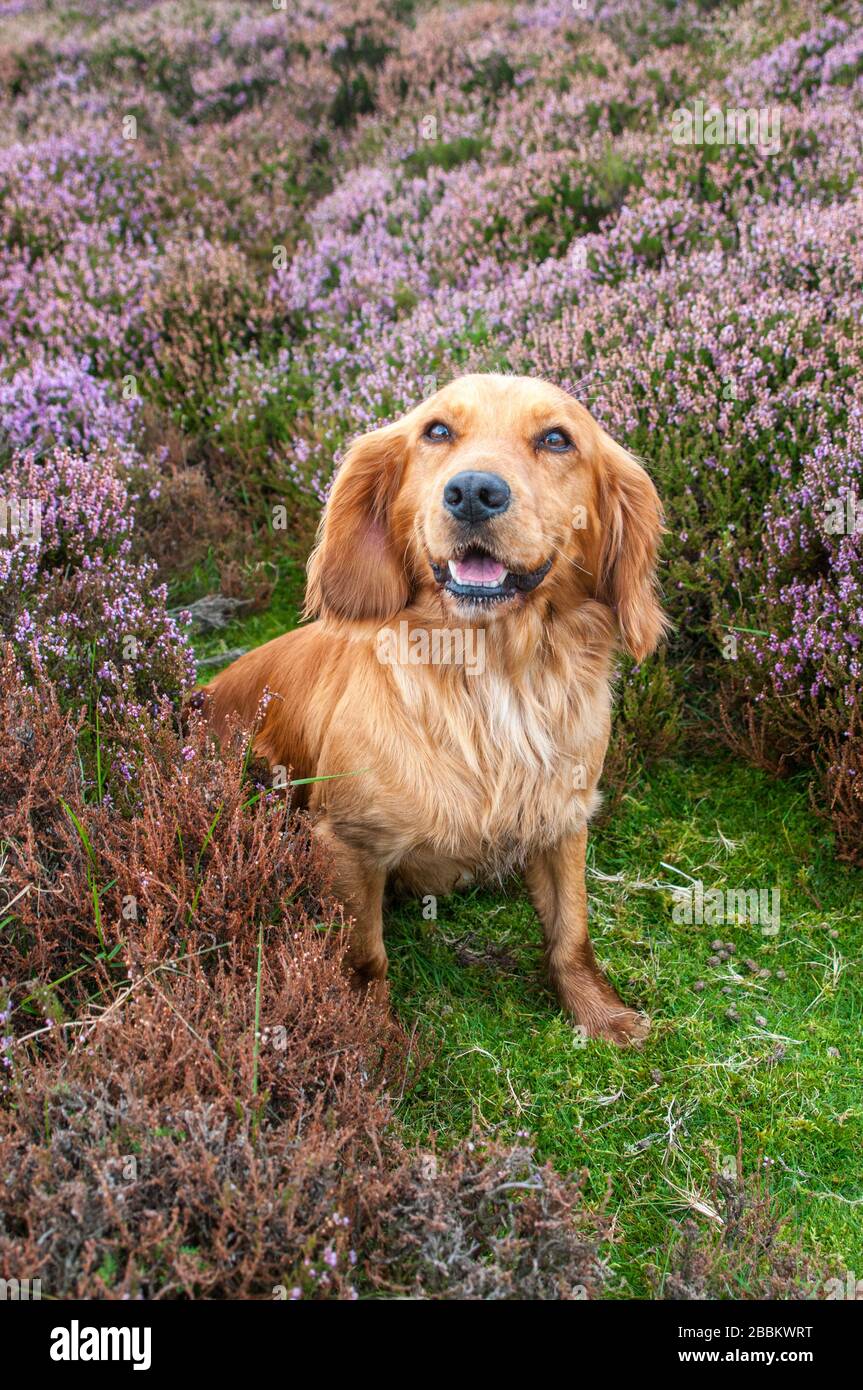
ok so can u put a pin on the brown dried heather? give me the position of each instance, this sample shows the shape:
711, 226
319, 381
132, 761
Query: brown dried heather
745, 1254
752, 734
183, 853
785, 735
160, 1139
486, 1222
180, 518
37, 768
188, 1115
159, 1148
206, 297
841, 795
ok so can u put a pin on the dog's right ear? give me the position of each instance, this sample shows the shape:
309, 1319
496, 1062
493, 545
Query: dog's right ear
355, 570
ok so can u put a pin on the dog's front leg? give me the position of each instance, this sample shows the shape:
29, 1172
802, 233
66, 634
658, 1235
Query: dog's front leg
556, 883
359, 885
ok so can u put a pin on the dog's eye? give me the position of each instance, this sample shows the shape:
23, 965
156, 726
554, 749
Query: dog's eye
437, 430
556, 440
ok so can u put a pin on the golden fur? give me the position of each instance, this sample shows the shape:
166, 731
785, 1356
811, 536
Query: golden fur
460, 772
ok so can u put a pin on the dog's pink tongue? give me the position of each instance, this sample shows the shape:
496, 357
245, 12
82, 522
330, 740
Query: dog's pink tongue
479, 569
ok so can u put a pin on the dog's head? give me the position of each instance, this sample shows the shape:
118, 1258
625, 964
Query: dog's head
496, 493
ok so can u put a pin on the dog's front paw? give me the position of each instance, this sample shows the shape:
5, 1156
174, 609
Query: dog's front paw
622, 1026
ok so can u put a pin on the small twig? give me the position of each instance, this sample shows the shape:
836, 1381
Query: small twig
407, 1062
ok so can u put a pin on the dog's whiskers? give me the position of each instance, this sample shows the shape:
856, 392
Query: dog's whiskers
563, 556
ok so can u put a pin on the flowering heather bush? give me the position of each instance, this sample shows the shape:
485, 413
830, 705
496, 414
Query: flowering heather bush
829, 54
60, 402
801, 645
54, 188
80, 609
77, 220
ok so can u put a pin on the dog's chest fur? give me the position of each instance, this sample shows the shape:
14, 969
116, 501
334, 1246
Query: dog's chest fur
479, 773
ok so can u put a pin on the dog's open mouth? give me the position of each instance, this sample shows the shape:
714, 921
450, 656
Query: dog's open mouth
482, 578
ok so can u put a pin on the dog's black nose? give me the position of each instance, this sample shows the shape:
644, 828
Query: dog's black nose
474, 497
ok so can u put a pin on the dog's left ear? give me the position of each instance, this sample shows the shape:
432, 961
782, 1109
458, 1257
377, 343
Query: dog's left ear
630, 527
355, 570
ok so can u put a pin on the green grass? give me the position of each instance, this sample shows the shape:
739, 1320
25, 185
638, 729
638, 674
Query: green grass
652, 1122
281, 614
649, 1125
